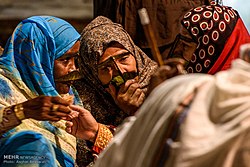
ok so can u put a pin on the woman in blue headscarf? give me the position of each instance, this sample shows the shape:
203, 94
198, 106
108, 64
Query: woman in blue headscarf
32, 108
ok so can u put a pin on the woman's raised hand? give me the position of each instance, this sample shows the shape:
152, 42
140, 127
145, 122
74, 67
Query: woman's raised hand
47, 108
129, 97
172, 68
83, 126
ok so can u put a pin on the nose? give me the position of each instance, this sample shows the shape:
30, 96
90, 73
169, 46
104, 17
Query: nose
118, 69
72, 66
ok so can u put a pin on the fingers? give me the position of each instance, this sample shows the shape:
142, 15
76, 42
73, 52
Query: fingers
58, 114
177, 64
75, 108
51, 109
124, 88
112, 91
133, 88
174, 61
63, 112
132, 91
78, 109
69, 126
138, 96
59, 108
47, 108
51, 118
73, 114
132, 98
46, 102
141, 98
59, 100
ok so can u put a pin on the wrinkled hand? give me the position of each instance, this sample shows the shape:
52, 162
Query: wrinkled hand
41, 108
84, 126
245, 52
129, 97
172, 67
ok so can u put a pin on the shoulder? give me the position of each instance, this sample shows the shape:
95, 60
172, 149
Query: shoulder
9, 92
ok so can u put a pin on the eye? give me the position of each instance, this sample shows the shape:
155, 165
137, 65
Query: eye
105, 69
123, 59
65, 60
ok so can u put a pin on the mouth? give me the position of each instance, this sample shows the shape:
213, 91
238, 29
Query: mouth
121, 79
62, 88
69, 78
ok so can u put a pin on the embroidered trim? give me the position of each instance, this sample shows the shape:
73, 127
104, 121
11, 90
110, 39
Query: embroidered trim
104, 135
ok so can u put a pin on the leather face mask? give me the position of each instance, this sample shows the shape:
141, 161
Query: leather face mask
118, 80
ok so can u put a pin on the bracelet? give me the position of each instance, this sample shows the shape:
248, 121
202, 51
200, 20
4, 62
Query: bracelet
18, 109
104, 135
112, 128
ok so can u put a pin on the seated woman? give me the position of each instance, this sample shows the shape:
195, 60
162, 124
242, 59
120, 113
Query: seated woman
206, 31
108, 53
210, 38
197, 119
190, 120
41, 50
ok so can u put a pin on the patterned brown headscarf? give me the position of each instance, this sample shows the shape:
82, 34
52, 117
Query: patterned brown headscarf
212, 26
95, 38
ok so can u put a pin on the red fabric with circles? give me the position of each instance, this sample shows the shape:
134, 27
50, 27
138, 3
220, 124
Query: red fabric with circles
213, 27
230, 53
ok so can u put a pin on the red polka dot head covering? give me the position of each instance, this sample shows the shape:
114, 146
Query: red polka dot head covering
210, 26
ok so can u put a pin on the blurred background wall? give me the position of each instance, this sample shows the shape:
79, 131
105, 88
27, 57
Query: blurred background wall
77, 12
243, 7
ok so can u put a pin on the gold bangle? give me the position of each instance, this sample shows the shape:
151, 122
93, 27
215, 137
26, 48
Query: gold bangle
104, 136
18, 109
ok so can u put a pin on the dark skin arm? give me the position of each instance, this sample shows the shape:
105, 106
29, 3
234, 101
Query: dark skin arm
40, 108
172, 68
83, 126
80, 121
129, 97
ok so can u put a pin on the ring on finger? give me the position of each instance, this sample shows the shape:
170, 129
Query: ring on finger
55, 107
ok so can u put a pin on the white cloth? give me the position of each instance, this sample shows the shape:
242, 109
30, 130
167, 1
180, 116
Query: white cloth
210, 135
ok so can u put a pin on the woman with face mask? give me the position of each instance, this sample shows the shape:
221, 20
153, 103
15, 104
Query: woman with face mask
196, 119
107, 52
116, 72
33, 108
210, 38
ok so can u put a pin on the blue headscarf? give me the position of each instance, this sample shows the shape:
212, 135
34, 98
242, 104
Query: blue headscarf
30, 53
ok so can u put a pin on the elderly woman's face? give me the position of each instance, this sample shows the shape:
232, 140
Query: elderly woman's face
64, 65
114, 61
